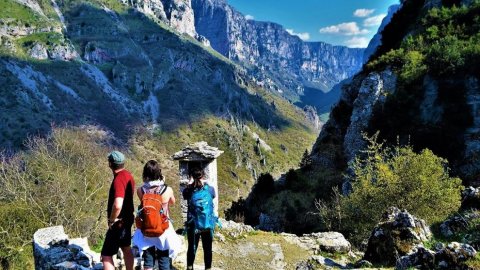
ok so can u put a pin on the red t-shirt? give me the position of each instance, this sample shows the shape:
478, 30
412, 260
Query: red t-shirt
123, 186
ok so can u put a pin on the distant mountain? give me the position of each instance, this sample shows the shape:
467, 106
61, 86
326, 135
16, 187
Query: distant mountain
278, 59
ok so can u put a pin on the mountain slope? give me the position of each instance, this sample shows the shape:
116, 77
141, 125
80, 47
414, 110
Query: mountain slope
111, 65
420, 87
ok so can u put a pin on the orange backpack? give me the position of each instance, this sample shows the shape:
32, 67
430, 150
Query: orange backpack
151, 218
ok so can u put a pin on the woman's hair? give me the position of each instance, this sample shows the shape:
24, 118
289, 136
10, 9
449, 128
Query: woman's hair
152, 171
197, 174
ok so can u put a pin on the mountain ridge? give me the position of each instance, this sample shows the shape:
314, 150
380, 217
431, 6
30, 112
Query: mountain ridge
267, 45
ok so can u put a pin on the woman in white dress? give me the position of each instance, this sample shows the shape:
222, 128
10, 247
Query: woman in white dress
165, 247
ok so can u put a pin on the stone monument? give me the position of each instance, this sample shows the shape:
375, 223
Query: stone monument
198, 155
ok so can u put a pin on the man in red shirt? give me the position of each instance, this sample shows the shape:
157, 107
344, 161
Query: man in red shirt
120, 213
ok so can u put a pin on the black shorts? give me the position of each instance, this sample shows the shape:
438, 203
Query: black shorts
116, 238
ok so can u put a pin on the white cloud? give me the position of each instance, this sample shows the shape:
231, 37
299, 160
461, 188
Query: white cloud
347, 29
374, 21
362, 13
357, 42
249, 17
302, 36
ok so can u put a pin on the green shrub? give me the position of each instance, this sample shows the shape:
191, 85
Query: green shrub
264, 185
291, 180
17, 226
417, 182
59, 180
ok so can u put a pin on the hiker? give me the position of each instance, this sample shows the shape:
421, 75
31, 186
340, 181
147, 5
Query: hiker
119, 212
155, 244
200, 217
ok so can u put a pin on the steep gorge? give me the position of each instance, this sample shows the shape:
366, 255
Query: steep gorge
279, 60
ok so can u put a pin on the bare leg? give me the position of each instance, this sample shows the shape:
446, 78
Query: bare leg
128, 257
108, 263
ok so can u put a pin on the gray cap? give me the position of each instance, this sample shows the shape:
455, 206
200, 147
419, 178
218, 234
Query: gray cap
116, 157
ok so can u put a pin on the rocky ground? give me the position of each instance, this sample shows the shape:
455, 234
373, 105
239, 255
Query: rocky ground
236, 246
399, 240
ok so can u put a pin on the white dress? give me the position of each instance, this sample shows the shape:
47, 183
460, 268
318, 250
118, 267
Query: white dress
168, 240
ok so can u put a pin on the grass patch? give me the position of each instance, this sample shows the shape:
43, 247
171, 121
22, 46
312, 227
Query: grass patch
19, 13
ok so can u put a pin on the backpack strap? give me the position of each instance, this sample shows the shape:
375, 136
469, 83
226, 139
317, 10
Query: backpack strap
158, 190
163, 190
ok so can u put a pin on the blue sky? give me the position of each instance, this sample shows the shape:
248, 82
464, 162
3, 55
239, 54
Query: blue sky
341, 22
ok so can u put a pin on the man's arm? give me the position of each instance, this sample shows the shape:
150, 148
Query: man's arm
116, 209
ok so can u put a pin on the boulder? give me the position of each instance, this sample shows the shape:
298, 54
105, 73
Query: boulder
421, 258
38, 51
53, 250
332, 242
50, 247
396, 235
463, 224
453, 225
453, 256
234, 229
471, 198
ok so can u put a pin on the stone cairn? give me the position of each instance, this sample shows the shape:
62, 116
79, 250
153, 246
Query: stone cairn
201, 155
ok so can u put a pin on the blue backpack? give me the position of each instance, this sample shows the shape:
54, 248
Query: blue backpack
202, 216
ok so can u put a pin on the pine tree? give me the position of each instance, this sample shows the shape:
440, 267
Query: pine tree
306, 162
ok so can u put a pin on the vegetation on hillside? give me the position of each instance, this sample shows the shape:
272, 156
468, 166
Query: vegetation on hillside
57, 180
385, 177
442, 50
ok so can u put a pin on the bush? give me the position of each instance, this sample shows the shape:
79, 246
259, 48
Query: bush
17, 226
59, 180
237, 211
264, 185
384, 177
291, 180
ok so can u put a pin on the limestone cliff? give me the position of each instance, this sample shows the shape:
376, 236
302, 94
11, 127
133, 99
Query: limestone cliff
178, 14
290, 63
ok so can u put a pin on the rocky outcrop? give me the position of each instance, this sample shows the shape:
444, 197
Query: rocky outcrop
373, 91
234, 229
52, 249
64, 52
57, 52
178, 14
311, 116
462, 225
331, 242
38, 51
396, 235
471, 198
453, 256
408, 120
472, 134
273, 51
